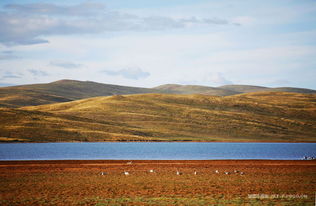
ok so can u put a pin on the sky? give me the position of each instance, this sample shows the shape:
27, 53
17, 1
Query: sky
149, 43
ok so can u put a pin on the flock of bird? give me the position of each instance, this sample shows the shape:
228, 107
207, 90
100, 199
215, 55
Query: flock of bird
126, 173
181, 173
309, 158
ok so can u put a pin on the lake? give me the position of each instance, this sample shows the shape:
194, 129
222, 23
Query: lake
155, 151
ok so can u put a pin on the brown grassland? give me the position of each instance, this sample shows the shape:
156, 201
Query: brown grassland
81, 183
257, 117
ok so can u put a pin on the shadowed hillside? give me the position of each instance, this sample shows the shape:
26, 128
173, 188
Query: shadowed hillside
292, 89
195, 89
249, 88
61, 91
227, 90
244, 88
264, 116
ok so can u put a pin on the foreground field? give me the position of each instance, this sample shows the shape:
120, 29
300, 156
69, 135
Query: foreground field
81, 183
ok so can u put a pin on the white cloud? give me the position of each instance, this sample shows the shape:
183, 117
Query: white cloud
29, 23
36, 72
64, 64
83, 9
8, 55
205, 59
8, 75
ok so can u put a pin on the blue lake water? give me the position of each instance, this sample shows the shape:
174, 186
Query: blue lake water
155, 151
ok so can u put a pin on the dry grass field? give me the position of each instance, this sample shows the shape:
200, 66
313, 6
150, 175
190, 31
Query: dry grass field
264, 182
260, 116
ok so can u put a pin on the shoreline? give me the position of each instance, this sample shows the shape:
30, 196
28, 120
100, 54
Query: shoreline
162, 141
135, 162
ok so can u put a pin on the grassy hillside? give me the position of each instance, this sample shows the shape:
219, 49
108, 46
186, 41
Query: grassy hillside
35, 126
249, 88
61, 91
244, 88
264, 116
227, 90
195, 89
293, 89
69, 90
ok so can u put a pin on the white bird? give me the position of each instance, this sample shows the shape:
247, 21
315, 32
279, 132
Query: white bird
195, 172
179, 173
103, 173
236, 171
242, 173
126, 173
227, 173
216, 171
151, 171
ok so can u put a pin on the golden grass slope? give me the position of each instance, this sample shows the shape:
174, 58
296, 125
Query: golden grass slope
264, 116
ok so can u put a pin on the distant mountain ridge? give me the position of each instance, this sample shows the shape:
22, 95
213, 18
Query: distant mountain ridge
249, 88
244, 88
195, 89
227, 90
70, 90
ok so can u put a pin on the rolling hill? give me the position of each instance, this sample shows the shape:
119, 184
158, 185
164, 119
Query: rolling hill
261, 116
195, 89
244, 88
227, 90
70, 90
61, 91
249, 88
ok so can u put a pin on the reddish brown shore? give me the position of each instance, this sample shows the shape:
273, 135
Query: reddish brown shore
79, 182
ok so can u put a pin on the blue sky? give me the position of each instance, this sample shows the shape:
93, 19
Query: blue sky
149, 43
